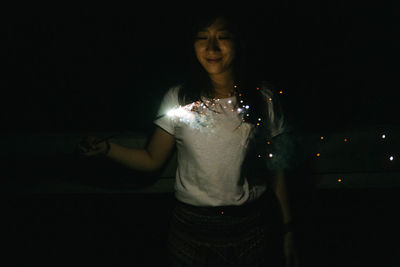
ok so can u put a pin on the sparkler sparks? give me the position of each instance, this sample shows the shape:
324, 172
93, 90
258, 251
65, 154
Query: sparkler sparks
201, 115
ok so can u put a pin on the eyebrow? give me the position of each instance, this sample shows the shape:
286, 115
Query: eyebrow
218, 30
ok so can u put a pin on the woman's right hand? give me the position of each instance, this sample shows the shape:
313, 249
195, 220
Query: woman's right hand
91, 146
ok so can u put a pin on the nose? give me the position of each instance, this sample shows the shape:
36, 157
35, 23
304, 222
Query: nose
212, 45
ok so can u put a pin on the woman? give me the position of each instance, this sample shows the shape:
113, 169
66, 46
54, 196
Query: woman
219, 120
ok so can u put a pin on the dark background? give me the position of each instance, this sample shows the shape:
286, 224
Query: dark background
106, 68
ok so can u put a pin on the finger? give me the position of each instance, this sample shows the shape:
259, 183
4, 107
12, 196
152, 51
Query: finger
86, 150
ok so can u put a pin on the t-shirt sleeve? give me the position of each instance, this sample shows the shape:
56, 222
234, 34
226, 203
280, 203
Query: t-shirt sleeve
282, 146
276, 123
169, 102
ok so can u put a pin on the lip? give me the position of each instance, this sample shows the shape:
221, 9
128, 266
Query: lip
213, 60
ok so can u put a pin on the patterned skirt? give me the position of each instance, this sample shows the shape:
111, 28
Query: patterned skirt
247, 235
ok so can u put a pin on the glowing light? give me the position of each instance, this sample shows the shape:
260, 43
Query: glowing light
247, 107
257, 88
318, 154
268, 142
241, 101
259, 156
281, 92
270, 99
180, 112
391, 158
322, 138
383, 136
259, 119
196, 115
345, 139
239, 110
229, 101
270, 155
339, 180
258, 124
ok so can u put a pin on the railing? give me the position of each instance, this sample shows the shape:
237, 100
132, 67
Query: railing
44, 163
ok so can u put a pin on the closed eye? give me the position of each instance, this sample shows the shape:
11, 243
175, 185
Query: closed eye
224, 37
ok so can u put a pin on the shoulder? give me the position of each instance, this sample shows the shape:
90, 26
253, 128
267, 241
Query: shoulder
174, 90
267, 89
172, 94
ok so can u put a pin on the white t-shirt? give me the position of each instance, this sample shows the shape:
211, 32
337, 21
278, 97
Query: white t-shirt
211, 141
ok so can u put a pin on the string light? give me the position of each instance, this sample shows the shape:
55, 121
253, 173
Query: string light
199, 117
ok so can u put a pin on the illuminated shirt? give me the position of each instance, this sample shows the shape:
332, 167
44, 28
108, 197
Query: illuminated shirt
212, 141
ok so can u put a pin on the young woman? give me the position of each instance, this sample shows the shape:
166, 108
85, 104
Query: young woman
231, 210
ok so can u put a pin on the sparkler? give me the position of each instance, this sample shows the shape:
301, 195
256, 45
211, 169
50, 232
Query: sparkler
200, 115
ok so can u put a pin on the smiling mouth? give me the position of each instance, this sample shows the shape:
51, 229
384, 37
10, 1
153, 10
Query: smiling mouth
213, 60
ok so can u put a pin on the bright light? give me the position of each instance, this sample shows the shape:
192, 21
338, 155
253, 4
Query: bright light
391, 158
180, 112
270, 155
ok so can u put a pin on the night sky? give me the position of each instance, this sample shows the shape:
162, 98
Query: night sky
105, 69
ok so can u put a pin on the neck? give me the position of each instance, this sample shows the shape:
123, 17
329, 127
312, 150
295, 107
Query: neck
223, 83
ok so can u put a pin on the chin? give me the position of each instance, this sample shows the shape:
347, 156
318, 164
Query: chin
215, 70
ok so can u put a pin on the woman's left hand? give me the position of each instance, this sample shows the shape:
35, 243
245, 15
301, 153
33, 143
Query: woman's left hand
291, 259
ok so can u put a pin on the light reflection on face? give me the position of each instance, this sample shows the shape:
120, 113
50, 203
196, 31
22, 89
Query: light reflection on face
214, 47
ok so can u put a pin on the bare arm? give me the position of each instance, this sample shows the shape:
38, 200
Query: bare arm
151, 158
280, 190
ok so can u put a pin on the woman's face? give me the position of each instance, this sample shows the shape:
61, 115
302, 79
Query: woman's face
215, 48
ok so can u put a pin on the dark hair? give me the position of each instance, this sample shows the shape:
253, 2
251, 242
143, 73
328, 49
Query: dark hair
247, 80
198, 84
